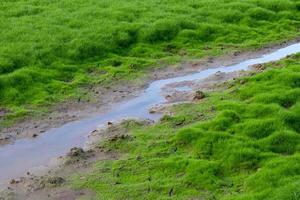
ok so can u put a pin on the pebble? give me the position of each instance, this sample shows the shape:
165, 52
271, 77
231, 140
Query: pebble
109, 123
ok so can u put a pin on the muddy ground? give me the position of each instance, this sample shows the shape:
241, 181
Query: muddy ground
104, 98
53, 184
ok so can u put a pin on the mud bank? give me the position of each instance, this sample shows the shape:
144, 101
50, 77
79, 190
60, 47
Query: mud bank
104, 98
25, 154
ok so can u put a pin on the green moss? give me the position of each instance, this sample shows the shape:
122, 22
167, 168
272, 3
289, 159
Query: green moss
233, 145
260, 13
51, 49
285, 142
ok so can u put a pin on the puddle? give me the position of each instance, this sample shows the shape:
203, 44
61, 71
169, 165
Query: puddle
25, 154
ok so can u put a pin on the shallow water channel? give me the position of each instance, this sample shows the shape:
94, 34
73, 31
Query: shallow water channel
25, 154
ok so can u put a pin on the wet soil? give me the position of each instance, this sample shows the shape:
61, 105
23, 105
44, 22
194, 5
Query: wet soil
103, 98
51, 184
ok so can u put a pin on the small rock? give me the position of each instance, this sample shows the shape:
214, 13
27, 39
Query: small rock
109, 123
12, 181
152, 111
168, 97
34, 135
199, 95
75, 152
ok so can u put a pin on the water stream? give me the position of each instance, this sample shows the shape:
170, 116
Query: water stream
16, 159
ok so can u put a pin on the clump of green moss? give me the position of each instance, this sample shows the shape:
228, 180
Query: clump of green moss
50, 50
242, 143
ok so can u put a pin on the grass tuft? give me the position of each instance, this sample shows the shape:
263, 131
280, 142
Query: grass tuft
246, 145
63, 40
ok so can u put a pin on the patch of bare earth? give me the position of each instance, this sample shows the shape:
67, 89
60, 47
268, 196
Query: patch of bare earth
102, 98
53, 185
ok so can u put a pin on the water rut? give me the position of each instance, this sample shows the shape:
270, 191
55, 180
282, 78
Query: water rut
25, 154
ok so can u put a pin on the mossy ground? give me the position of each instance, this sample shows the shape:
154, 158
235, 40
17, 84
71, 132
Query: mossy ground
52, 50
240, 143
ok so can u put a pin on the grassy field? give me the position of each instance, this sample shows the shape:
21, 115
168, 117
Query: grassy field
241, 143
52, 50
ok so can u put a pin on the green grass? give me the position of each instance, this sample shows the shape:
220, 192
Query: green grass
240, 143
53, 50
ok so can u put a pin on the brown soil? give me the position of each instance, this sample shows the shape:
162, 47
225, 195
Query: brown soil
104, 97
53, 184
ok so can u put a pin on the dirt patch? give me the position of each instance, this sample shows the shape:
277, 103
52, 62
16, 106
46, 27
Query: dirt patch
103, 98
53, 184
197, 89
69, 111
78, 159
